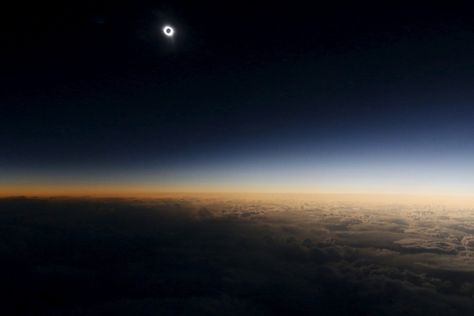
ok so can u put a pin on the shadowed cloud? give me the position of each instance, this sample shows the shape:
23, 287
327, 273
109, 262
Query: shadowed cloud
230, 257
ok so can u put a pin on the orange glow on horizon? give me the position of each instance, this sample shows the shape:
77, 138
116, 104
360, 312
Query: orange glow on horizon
155, 191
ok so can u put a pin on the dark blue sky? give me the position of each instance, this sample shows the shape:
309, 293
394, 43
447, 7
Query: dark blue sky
348, 96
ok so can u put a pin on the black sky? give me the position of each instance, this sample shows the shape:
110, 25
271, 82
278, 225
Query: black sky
94, 83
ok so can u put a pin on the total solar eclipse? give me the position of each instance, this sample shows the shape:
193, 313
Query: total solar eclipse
168, 31
182, 157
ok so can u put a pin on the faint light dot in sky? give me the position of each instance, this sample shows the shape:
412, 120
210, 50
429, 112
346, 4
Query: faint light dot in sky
168, 30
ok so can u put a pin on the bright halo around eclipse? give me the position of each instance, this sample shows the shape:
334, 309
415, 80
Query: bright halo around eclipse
168, 31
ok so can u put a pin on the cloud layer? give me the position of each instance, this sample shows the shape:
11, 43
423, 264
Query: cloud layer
234, 257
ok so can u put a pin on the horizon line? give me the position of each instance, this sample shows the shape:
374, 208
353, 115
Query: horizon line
466, 200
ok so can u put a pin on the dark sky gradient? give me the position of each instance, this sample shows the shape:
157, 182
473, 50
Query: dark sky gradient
92, 89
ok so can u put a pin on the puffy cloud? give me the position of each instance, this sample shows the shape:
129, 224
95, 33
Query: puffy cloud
122, 257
